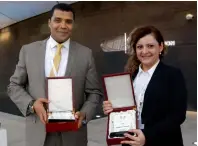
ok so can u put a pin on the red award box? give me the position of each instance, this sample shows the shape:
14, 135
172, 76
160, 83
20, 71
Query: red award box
119, 91
60, 109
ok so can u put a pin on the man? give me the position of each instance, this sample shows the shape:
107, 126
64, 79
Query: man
36, 61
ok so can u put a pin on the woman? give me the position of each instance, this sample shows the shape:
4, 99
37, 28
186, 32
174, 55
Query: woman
160, 92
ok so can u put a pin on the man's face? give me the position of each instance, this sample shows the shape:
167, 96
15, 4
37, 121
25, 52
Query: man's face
61, 25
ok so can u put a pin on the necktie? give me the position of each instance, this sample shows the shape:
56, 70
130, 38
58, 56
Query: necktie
57, 59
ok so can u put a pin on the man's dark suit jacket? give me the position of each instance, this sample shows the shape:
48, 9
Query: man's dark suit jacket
164, 108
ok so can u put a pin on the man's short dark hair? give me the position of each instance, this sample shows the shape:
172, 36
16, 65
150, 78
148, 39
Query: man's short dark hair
62, 7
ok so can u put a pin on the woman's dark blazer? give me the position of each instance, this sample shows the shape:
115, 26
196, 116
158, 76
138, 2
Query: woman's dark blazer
164, 108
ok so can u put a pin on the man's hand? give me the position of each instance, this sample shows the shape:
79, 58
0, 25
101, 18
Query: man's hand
40, 110
80, 116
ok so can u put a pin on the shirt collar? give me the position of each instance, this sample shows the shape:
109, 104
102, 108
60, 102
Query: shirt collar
150, 71
53, 43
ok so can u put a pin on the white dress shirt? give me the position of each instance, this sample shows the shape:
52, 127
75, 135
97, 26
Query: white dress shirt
51, 47
140, 84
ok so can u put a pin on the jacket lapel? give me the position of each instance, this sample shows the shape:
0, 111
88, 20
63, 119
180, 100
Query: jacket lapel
71, 58
41, 59
152, 83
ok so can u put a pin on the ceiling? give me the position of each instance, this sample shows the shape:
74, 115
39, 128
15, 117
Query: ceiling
15, 11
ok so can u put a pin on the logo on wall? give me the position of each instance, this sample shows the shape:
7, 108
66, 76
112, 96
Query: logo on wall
121, 43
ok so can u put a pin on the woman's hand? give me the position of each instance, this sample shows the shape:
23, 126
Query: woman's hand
137, 140
107, 107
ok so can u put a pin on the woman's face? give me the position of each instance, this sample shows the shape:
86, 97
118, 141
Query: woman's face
148, 50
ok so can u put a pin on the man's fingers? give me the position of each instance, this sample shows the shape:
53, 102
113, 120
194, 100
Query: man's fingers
81, 117
79, 123
77, 115
44, 100
44, 116
41, 118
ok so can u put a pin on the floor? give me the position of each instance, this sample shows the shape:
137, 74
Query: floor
96, 130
